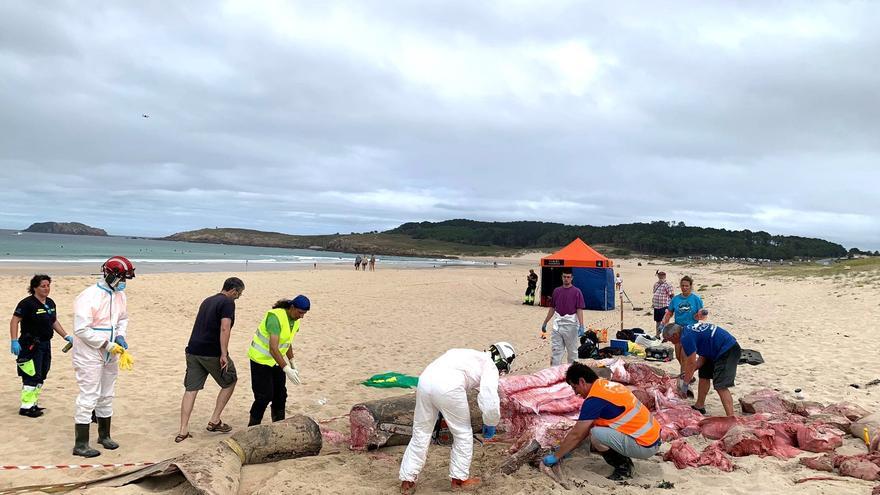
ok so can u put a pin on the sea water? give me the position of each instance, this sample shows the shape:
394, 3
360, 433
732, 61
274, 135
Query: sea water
33, 248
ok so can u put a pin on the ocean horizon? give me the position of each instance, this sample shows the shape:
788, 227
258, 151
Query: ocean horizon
35, 248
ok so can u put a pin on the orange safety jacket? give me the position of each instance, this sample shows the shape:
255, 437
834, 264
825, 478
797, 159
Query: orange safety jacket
636, 420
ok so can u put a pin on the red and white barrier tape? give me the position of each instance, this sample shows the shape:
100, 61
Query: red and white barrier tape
76, 466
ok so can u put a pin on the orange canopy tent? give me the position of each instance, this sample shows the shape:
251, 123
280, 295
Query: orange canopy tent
577, 254
592, 272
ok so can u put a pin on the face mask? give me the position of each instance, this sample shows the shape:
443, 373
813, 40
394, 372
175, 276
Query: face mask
120, 287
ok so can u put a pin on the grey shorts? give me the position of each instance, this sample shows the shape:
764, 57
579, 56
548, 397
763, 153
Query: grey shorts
199, 367
622, 443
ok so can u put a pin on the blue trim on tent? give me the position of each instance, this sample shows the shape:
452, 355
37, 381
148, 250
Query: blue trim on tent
597, 285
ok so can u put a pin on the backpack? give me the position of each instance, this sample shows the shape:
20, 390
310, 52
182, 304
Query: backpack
588, 349
592, 336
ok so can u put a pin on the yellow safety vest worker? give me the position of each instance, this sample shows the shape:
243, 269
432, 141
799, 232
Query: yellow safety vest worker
259, 349
636, 420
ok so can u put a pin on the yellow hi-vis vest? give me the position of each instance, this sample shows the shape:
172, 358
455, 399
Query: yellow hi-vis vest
259, 349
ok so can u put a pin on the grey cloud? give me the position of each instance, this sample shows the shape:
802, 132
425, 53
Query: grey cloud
341, 116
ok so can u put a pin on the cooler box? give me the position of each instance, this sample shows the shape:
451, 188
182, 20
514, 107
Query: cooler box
623, 345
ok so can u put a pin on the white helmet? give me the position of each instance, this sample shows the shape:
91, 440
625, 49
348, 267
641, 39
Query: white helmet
503, 354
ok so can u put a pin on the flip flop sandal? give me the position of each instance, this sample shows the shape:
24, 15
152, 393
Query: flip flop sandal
180, 438
219, 427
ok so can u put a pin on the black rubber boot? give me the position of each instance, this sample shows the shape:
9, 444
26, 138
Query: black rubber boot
622, 465
31, 412
255, 420
81, 444
277, 415
104, 434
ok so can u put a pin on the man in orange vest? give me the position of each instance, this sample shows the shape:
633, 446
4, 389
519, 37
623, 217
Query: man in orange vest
619, 427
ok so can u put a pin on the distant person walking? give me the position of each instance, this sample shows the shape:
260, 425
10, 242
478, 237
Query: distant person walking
373, 263
33, 349
567, 311
364, 262
618, 282
357, 263
207, 353
662, 295
683, 308
532, 281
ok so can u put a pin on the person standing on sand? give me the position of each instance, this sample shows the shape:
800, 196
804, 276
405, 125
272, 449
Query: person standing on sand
618, 282
33, 349
100, 325
357, 263
532, 281
567, 311
684, 308
271, 357
207, 353
372, 262
662, 295
714, 352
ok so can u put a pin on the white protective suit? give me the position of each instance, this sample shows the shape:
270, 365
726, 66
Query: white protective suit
100, 315
564, 338
443, 388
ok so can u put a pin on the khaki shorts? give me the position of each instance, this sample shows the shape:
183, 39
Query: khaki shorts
199, 367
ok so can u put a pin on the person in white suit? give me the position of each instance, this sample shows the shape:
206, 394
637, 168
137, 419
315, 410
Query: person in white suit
100, 326
443, 387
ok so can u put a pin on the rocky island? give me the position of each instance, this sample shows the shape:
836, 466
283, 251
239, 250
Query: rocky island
71, 228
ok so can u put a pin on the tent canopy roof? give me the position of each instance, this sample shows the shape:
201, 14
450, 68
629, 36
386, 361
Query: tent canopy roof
577, 254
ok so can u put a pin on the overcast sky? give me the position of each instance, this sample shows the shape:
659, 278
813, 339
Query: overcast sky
323, 117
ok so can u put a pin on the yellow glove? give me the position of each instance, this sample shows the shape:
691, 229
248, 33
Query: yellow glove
126, 362
114, 348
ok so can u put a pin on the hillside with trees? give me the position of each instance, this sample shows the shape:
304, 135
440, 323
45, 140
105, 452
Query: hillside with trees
655, 238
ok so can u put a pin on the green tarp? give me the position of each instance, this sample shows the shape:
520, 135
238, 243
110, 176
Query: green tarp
390, 380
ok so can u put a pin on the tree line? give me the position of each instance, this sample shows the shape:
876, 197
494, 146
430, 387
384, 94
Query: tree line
655, 238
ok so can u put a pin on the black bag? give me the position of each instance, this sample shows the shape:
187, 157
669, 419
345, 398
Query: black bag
588, 349
629, 334
607, 352
590, 335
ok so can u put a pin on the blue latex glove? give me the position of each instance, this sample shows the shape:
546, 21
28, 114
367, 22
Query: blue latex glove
581, 331
16, 347
121, 341
488, 432
69, 338
544, 327
550, 460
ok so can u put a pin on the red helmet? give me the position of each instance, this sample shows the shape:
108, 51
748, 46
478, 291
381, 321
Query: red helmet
117, 268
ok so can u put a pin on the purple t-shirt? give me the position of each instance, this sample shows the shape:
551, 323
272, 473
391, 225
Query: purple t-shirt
568, 301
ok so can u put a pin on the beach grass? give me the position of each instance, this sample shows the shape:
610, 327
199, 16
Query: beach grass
866, 270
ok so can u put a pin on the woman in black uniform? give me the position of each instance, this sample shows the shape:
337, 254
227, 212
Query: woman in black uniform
36, 314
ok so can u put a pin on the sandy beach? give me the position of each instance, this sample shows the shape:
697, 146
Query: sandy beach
814, 334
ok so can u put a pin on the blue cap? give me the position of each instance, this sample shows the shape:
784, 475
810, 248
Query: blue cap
301, 302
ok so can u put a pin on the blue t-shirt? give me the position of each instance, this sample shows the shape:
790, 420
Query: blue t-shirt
706, 339
685, 308
595, 408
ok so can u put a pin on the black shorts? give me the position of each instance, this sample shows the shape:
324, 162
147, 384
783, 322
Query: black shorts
722, 371
659, 313
199, 367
